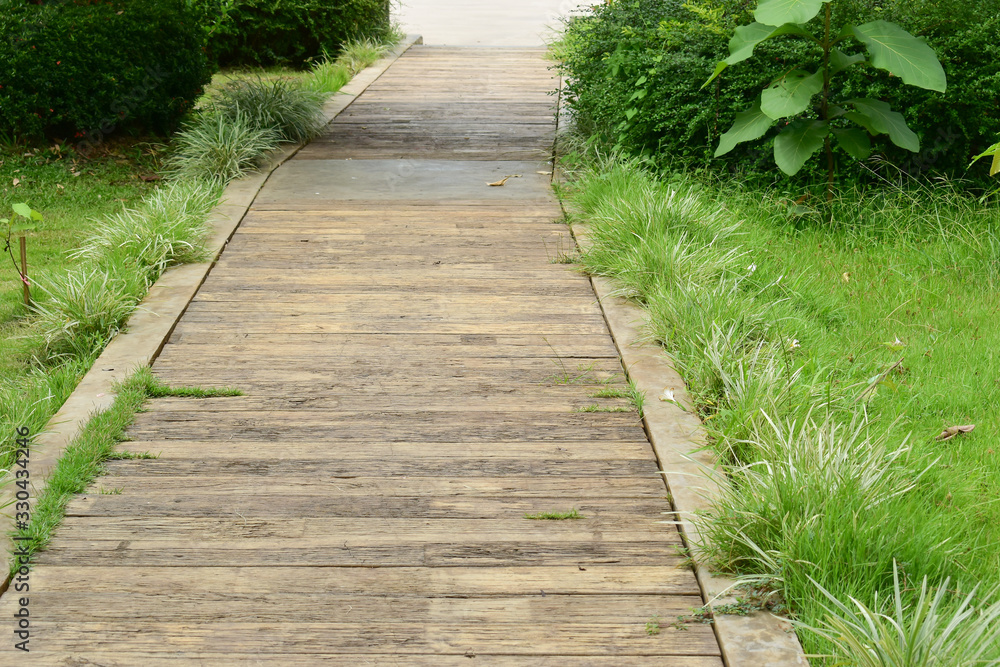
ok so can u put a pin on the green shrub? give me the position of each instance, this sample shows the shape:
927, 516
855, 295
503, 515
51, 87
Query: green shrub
267, 32
636, 70
294, 111
83, 69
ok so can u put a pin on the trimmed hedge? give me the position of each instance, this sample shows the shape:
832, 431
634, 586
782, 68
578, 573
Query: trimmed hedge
81, 69
673, 45
288, 32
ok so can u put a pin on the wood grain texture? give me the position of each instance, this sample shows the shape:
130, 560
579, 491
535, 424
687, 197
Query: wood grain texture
420, 377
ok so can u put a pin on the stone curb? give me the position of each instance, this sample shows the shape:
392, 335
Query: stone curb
152, 323
692, 478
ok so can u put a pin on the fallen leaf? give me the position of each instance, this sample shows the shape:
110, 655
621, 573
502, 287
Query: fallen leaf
17, 182
544, 173
846, 277
500, 183
667, 395
60, 186
952, 431
150, 177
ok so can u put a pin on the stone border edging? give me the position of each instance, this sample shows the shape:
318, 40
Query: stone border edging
687, 467
153, 322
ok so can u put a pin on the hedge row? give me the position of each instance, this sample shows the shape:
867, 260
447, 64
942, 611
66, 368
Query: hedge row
671, 47
83, 69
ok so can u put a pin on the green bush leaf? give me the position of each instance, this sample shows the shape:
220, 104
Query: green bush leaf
747, 37
750, 124
839, 61
856, 142
791, 94
797, 143
878, 118
994, 152
777, 12
901, 54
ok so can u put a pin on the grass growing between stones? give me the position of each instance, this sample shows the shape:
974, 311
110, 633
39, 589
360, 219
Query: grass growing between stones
826, 360
83, 461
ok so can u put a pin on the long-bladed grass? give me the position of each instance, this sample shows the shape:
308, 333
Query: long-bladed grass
824, 359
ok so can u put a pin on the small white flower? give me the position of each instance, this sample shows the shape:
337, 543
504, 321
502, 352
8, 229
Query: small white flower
752, 268
795, 343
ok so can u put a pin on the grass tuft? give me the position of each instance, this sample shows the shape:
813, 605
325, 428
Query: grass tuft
939, 628
293, 111
167, 229
79, 311
219, 148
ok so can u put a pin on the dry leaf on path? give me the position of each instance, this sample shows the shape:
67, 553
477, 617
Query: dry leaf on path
503, 181
952, 431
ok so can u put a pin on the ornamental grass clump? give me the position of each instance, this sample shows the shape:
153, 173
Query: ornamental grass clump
168, 229
288, 108
220, 148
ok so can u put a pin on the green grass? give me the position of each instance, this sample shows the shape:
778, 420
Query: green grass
555, 516
789, 333
83, 461
73, 194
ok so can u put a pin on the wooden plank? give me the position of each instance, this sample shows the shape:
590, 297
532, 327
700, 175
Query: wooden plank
226, 448
394, 581
332, 505
361, 530
318, 346
335, 552
170, 658
222, 484
320, 607
529, 638
347, 466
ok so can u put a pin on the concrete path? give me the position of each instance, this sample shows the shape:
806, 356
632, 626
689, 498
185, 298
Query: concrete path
422, 374
485, 22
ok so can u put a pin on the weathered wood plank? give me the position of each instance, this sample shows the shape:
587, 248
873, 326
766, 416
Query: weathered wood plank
430, 582
360, 530
457, 638
170, 658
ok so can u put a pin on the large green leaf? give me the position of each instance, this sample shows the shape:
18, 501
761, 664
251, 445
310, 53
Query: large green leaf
777, 12
746, 38
750, 124
903, 55
878, 118
790, 95
798, 142
855, 142
22, 210
839, 61
994, 152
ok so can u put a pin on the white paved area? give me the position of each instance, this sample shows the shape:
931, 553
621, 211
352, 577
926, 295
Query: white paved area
485, 22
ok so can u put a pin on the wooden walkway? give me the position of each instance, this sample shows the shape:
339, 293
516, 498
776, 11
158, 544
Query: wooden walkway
416, 364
